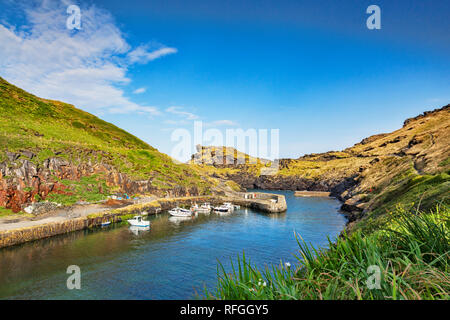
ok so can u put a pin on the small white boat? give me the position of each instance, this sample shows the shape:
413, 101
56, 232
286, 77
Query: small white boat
204, 208
180, 212
229, 205
206, 205
222, 209
137, 221
106, 223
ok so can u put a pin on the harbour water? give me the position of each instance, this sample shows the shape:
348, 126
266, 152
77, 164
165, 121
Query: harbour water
175, 259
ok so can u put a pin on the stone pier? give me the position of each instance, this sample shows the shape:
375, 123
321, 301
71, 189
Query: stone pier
267, 202
306, 193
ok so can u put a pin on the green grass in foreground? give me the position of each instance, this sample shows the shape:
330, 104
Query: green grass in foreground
412, 254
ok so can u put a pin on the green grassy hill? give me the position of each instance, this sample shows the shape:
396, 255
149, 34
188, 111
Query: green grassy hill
46, 129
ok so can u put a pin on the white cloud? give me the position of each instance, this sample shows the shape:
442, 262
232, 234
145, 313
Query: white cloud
180, 112
184, 117
142, 55
87, 68
139, 90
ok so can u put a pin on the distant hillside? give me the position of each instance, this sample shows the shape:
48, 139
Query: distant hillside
47, 145
409, 166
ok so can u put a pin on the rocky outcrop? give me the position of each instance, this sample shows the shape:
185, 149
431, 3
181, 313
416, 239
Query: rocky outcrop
355, 203
426, 114
223, 157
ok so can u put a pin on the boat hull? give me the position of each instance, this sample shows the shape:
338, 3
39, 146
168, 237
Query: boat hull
179, 214
203, 210
139, 224
222, 210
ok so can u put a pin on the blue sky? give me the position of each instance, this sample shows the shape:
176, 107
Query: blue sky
309, 68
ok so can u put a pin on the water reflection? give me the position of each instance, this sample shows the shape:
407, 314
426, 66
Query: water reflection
136, 230
178, 220
220, 213
277, 216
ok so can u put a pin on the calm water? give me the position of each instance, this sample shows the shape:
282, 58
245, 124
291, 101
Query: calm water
174, 260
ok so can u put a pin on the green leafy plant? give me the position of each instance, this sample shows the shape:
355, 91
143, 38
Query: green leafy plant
412, 255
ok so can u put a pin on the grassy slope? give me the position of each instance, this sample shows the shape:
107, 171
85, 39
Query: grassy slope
51, 127
413, 171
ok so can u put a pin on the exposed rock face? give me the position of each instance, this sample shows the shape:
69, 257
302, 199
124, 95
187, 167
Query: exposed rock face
425, 114
223, 157
21, 180
355, 203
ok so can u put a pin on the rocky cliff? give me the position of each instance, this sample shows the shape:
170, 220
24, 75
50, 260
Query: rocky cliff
408, 165
23, 182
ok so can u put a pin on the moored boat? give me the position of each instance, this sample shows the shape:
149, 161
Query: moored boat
204, 208
229, 205
180, 212
137, 221
222, 209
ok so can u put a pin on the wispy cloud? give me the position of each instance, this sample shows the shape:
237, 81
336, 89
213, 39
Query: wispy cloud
142, 54
86, 67
180, 112
184, 117
139, 90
